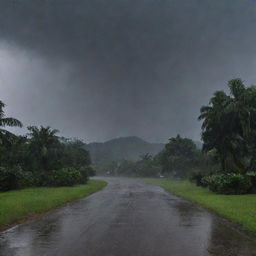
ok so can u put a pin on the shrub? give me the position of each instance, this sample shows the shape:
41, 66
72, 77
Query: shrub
147, 170
196, 177
89, 170
27, 179
85, 173
66, 177
92, 171
252, 176
41, 179
10, 178
228, 183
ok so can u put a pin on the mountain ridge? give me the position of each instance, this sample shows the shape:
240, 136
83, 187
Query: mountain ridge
122, 148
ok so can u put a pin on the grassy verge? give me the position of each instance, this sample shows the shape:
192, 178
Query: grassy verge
19, 205
240, 209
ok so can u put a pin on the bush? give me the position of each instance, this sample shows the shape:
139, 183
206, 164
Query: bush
228, 183
92, 171
10, 178
27, 179
85, 173
196, 177
252, 176
66, 177
146, 169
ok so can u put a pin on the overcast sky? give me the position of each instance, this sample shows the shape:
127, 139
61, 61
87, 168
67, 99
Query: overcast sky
98, 69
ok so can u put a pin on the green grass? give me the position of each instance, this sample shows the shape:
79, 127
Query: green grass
240, 209
19, 205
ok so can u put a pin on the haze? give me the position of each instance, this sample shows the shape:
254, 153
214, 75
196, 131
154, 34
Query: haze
103, 69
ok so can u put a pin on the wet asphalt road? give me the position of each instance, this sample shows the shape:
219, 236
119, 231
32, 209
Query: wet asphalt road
127, 218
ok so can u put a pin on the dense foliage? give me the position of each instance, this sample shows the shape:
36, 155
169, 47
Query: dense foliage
10, 178
228, 183
66, 177
229, 127
40, 158
229, 132
179, 157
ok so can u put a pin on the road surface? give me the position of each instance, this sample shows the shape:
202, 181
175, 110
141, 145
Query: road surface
127, 218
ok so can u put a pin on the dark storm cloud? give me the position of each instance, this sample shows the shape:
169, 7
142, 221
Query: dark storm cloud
100, 69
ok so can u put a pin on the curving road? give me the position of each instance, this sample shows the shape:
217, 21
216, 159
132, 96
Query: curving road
127, 218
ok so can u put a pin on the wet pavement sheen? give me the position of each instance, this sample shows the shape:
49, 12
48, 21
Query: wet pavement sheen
127, 218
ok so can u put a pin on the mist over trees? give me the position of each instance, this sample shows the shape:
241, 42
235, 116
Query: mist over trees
118, 149
178, 158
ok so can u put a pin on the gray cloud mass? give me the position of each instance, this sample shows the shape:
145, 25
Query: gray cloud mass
102, 69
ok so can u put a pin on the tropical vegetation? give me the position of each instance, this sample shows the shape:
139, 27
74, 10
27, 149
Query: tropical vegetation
229, 133
40, 158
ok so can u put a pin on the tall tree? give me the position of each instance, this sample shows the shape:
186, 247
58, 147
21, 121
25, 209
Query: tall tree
229, 123
75, 154
44, 148
214, 126
179, 156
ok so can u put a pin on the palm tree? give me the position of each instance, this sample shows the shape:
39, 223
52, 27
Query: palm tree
44, 146
243, 109
6, 121
214, 126
229, 124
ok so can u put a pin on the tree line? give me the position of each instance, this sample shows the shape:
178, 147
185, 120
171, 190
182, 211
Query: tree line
178, 159
226, 163
40, 158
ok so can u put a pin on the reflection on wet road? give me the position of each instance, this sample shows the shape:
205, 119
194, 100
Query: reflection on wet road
127, 218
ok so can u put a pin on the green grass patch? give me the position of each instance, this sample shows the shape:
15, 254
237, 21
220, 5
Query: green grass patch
19, 205
240, 209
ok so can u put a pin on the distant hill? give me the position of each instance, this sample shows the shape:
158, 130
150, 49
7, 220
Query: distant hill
129, 148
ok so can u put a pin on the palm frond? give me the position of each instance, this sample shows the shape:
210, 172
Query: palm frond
9, 121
